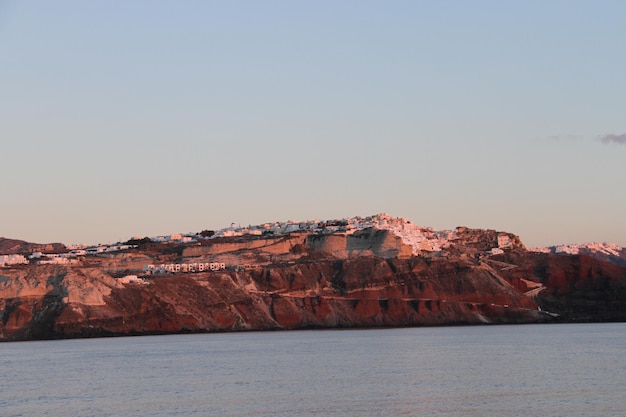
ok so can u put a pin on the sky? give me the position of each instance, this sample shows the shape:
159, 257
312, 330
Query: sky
144, 118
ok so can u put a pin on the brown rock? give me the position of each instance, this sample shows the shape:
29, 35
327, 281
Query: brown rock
310, 286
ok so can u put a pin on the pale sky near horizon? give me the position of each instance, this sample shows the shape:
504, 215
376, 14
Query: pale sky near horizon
141, 118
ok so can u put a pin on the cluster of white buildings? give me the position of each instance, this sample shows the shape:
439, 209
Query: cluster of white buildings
276, 228
12, 260
346, 225
54, 258
173, 238
190, 268
610, 249
420, 238
66, 258
94, 250
71, 256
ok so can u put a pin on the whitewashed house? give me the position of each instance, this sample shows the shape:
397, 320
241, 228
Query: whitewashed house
12, 260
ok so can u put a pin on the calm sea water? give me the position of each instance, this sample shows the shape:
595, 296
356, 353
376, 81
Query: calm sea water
532, 370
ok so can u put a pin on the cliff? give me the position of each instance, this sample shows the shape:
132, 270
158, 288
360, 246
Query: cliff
302, 280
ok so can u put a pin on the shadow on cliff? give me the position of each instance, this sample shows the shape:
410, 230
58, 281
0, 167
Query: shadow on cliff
576, 287
33, 318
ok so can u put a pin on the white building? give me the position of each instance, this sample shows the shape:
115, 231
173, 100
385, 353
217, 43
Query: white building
95, 250
57, 260
12, 260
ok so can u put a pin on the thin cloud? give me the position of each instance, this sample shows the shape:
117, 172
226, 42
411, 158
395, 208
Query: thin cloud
612, 138
564, 138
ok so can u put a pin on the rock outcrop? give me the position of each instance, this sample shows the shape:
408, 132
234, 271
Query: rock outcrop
368, 242
369, 278
9, 246
576, 287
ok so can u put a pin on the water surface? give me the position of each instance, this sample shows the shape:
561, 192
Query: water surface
529, 370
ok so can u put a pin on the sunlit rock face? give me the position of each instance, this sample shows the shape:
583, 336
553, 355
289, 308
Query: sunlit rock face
368, 272
608, 252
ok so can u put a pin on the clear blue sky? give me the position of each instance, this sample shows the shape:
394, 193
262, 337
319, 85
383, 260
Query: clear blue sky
123, 118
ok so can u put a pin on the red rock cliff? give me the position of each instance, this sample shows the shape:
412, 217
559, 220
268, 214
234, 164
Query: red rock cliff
292, 283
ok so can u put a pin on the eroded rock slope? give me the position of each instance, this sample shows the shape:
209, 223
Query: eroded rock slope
366, 279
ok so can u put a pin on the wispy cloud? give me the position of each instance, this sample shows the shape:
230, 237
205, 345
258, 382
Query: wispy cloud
564, 138
612, 138
606, 139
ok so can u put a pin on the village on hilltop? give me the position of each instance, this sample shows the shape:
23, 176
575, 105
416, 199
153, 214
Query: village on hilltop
421, 239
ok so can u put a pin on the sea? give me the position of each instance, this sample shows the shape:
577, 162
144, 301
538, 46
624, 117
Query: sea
521, 370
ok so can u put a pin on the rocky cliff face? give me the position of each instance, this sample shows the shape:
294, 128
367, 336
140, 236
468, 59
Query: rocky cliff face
305, 281
577, 287
368, 242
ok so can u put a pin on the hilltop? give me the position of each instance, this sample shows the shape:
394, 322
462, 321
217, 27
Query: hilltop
357, 272
15, 246
608, 252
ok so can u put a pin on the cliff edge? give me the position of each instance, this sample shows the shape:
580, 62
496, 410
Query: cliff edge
364, 278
